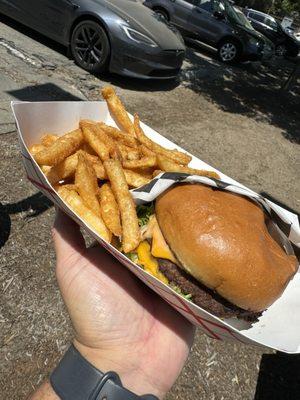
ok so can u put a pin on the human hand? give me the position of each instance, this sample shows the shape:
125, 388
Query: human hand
120, 324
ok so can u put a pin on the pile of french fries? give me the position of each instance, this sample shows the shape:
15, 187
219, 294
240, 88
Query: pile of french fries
93, 167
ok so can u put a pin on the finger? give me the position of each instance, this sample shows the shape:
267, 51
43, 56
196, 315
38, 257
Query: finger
66, 236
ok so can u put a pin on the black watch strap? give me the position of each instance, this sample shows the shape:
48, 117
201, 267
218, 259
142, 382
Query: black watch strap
76, 379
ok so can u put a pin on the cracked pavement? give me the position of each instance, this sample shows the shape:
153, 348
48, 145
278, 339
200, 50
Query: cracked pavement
235, 118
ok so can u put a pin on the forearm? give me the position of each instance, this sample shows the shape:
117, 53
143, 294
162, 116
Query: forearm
44, 392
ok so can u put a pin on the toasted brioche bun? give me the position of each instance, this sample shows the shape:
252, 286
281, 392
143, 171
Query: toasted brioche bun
222, 240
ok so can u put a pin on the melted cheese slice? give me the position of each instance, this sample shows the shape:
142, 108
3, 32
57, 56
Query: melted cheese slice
149, 263
160, 248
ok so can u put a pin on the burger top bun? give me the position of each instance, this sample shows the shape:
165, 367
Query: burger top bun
222, 240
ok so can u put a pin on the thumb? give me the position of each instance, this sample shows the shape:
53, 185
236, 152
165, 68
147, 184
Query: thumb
67, 237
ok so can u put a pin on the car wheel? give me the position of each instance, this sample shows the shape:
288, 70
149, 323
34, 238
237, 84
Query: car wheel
228, 51
162, 13
90, 46
280, 50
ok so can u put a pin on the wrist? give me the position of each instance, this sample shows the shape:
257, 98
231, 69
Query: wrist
132, 376
44, 392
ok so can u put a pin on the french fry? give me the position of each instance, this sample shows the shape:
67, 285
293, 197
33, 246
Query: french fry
144, 162
146, 151
86, 183
130, 226
95, 222
120, 136
128, 153
67, 167
48, 139
97, 129
169, 166
109, 210
145, 172
87, 148
88, 122
60, 149
45, 169
91, 157
175, 155
156, 172
36, 148
134, 179
99, 170
69, 186
118, 110
95, 142
108, 141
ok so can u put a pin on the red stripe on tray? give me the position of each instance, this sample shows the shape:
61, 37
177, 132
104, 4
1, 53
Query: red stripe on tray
25, 156
41, 185
199, 319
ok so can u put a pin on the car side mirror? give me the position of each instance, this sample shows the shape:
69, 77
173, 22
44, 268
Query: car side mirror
218, 15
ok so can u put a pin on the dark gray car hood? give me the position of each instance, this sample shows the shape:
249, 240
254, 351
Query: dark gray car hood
141, 18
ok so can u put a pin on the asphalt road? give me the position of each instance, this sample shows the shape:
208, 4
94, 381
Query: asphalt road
235, 118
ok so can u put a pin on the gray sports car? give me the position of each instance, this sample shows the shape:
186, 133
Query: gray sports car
121, 36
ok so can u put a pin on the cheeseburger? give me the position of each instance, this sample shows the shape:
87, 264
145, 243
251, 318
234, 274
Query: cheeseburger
214, 248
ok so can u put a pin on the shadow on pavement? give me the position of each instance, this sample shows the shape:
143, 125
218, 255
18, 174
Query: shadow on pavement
33, 205
44, 92
279, 377
250, 89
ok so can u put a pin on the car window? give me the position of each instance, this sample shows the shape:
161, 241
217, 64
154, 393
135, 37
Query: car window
194, 2
271, 23
206, 5
218, 6
257, 17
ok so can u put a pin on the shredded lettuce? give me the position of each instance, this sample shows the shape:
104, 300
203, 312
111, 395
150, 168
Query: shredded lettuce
179, 291
144, 213
133, 257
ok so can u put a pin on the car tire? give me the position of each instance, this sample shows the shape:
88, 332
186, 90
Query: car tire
163, 13
280, 50
229, 51
90, 46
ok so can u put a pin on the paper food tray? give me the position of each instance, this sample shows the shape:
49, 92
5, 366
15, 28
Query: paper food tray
279, 326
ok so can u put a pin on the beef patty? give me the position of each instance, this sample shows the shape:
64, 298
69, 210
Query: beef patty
201, 295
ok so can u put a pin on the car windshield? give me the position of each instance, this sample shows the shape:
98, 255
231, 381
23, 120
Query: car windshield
233, 14
271, 22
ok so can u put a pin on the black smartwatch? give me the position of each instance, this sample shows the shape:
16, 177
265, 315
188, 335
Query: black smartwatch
76, 379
